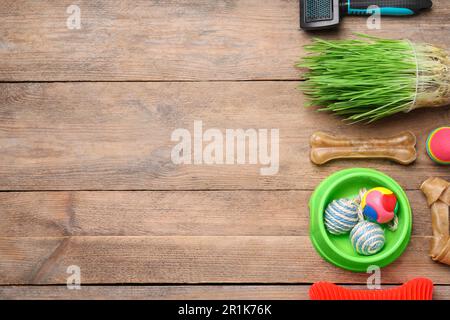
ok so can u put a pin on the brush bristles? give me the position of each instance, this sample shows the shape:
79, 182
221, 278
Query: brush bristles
362, 79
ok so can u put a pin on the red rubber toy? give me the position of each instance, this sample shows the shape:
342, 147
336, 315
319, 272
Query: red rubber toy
416, 289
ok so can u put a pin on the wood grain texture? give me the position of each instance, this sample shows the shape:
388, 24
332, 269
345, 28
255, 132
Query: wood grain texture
179, 213
191, 226
201, 259
170, 292
174, 40
116, 136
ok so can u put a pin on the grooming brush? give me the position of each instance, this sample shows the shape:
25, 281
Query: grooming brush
369, 78
416, 289
322, 14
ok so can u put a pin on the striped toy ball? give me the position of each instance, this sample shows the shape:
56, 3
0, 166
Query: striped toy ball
341, 216
438, 146
367, 238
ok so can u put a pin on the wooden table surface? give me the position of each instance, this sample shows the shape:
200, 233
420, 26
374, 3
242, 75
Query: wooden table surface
86, 176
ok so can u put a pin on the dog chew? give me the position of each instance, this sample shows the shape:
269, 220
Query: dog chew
437, 193
326, 147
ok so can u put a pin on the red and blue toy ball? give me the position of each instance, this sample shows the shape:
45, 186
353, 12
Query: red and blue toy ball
379, 205
438, 145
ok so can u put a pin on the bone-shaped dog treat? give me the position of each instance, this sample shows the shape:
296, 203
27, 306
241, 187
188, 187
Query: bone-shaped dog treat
326, 147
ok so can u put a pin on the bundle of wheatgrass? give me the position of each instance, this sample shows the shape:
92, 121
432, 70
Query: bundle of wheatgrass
368, 78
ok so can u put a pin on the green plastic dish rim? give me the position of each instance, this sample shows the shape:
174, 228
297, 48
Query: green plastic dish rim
346, 174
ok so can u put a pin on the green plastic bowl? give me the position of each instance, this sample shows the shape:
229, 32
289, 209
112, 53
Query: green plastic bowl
338, 249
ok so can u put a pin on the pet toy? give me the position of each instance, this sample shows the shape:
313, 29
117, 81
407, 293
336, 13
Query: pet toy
415, 289
438, 145
341, 216
367, 238
379, 205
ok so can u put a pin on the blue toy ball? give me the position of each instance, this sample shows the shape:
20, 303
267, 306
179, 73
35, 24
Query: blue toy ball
341, 216
367, 238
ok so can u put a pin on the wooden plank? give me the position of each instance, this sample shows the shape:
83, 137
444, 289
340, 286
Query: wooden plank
203, 259
174, 40
117, 136
185, 213
170, 292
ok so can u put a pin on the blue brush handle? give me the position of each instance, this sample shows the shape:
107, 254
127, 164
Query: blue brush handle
388, 7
